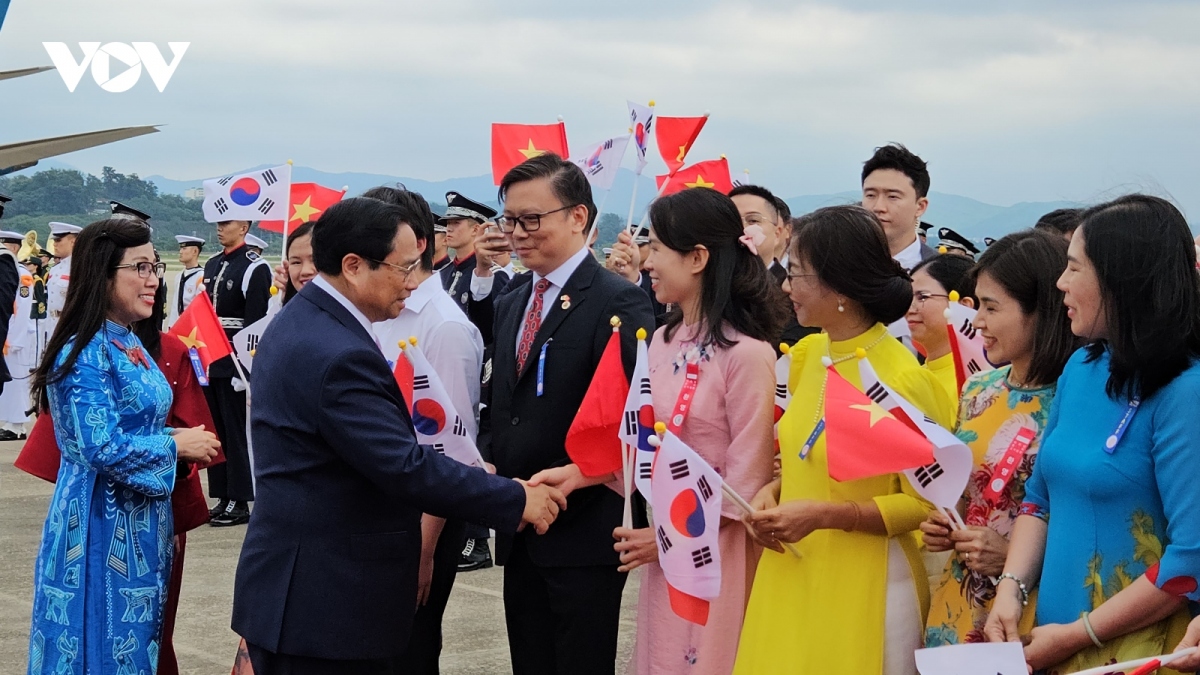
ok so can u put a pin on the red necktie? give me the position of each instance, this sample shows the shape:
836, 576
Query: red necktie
533, 321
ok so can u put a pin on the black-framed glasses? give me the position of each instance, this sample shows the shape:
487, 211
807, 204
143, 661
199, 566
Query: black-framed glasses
145, 268
404, 270
921, 296
530, 222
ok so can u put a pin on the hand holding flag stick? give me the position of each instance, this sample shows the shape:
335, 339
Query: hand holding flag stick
1143, 665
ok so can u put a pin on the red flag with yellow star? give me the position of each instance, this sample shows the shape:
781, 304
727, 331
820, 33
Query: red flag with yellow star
675, 138
307, 202
862, 439
199, 328
515, 143
713, 174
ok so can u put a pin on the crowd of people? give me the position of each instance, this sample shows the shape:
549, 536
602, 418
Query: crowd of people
356, 530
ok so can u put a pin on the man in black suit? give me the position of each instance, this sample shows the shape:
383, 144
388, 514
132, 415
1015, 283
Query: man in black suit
895, 187
327, 580
562, 591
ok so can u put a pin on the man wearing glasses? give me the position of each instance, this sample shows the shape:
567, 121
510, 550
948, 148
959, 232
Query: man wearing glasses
240, 296
562, 591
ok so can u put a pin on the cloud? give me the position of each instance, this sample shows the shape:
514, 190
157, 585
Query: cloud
799, 92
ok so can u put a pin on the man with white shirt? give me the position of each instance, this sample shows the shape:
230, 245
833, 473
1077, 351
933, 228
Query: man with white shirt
562, 591
895, 187
63, 235
190, 280
454, 348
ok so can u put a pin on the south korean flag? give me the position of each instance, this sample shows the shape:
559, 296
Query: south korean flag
687, 514
433, 414
638, 425
783, 396
943, 481
256, 195
966, 343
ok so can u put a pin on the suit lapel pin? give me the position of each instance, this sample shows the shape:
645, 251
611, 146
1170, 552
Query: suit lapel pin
566, 302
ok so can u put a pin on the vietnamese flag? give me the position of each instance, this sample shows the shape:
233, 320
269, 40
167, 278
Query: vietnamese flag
862, 439
404, 377
515, 143
592, 441
199, 329
675, 138
308, 201
712, 174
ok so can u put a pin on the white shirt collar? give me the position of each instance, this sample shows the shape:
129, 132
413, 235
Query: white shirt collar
423, 293
323, 284
562, 274
910, 257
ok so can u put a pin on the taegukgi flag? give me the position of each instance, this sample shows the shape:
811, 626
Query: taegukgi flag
258, 195
601, 161
641, 124
433, 414
638, 425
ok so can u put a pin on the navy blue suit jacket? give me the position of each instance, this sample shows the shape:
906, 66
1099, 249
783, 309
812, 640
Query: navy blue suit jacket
329, 564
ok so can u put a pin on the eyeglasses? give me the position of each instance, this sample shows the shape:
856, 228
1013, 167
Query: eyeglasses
921, 296
756, 219
145, 268
530, 222
404, 270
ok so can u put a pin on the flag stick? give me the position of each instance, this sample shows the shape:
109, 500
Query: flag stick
238, 365
745, 506
1120, 667
632, 200
662, 187
287, 218
627, 478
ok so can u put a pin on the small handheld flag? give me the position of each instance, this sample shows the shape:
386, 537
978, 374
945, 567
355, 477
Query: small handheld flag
433, 414
306, 203
600, 161
966, 344
638, 423
515, 143
593, 442
675, 138
783, 396
199, 329
258, 195
713, 174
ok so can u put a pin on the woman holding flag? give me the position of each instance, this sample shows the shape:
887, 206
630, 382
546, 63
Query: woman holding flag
933, 280
1109, 531
717, 339
1001, 417
855, 599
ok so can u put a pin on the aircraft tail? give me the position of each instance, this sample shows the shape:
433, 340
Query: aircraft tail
3, 11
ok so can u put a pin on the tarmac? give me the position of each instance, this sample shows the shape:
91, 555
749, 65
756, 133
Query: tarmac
475, 640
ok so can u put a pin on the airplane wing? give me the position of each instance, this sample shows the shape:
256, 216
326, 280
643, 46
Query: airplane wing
10, 74
17, 156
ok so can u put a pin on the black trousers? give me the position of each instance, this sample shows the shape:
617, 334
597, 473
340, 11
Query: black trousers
231, 480
425, 640
270, 663
561, 620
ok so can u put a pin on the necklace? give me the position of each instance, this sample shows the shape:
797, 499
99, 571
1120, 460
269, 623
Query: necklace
818, 414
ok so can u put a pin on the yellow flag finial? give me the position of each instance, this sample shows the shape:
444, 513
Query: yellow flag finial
784, 348
274, 290
954, 296
660, 428
402, 344
942, 249
289, 162
860, 353
651, 103
641, 333
412, 340
615, 322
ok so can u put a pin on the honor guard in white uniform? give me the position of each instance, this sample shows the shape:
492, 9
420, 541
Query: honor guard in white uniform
63, 235
20, 355
257, 245
239, 283
188, 282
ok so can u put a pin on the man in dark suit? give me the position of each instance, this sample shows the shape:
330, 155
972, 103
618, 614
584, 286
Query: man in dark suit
895, 187
562, 591
327, 580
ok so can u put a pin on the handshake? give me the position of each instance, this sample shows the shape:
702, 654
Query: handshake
542, 504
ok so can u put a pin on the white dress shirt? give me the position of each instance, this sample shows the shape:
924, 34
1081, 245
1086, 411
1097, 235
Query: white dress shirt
448, 339
910, 257
324, 285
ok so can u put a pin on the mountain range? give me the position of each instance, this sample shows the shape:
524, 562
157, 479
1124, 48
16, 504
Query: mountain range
970, 217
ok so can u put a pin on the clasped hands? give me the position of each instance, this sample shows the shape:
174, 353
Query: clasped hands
195, 445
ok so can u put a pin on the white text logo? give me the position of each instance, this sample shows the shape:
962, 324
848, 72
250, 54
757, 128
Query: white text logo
101, 57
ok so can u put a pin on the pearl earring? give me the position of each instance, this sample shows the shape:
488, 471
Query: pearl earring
841, 307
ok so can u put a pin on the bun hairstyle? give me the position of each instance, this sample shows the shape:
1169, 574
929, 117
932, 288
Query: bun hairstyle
846, 247
735, 287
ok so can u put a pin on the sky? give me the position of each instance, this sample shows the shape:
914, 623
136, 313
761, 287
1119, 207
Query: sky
1008, 102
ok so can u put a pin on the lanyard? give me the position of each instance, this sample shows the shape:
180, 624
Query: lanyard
198, 366
1110, 445
1006, 468
541, 368
812, 439
686, 394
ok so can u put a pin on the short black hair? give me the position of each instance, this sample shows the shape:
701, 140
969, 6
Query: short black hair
422, 227
785, 211
899, 158
567, 180
1027, 264
953, 272
1062, 221
846, 247
757, 191
1145, 260
362, 226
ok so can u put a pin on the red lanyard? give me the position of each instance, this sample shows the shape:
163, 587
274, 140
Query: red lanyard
686, 394
1006, 468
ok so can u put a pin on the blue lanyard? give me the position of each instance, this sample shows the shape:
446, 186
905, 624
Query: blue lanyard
812, 439
1110, 445
541, 374
201, 376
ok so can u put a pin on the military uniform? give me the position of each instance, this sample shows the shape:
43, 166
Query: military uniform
58, 279
188, 282
239, 284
